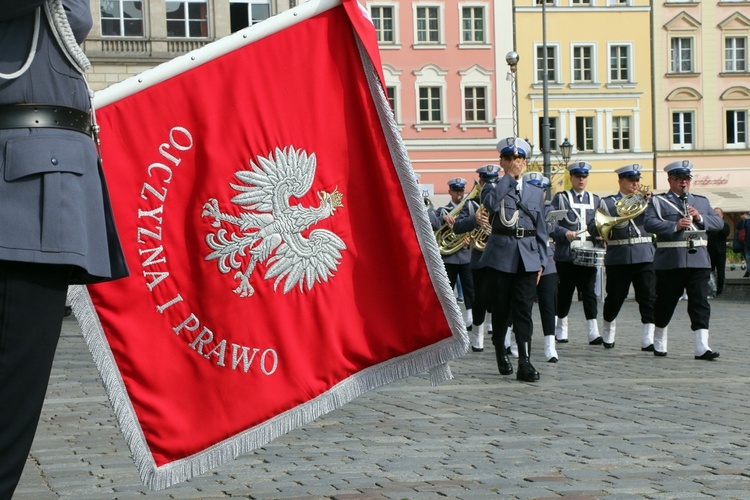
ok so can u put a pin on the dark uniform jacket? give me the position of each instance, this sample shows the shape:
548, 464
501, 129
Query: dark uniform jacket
504, 252
629, 242
672, 246
53, 201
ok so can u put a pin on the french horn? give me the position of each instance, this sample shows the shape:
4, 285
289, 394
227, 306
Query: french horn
628, 207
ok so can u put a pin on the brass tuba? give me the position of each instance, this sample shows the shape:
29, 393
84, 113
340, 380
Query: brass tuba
628, 207
448, 241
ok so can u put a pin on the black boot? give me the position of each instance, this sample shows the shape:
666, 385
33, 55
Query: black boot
503, 363
526, 371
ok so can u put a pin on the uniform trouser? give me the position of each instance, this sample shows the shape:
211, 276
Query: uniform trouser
572, 277
619, 279
512, 294
32, 305
467, 283
669, 287
546, 293
481, 295
719, 264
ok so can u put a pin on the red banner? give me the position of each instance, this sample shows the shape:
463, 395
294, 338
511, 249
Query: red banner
274, 245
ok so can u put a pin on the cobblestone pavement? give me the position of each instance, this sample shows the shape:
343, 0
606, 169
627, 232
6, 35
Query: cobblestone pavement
601, 423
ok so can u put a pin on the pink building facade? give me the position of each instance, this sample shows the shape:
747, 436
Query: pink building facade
439, 61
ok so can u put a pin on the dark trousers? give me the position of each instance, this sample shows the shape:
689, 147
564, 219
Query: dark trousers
669, 287
32, 305
512, 294
546, 294
546, 298
719, 265
584, 279
467, 283
619, 279
481, 295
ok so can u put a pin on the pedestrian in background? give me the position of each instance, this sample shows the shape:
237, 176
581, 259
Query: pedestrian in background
744, 223
717, 251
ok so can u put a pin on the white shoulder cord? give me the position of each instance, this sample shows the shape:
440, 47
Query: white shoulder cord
32, 52
58, 21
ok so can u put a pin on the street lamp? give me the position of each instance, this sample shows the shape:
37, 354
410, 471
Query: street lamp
566, 150
545, 98
512, 59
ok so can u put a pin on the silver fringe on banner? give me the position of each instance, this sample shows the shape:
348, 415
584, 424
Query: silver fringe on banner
433, 359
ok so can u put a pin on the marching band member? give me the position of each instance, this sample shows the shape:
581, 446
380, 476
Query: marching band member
546, 289
515, 255
457, 264
680, 220
571, 234
488, 174
629, 259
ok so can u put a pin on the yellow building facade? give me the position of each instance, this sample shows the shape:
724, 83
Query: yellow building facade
598, 56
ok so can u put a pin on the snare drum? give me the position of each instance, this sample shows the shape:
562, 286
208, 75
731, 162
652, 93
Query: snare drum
588, 257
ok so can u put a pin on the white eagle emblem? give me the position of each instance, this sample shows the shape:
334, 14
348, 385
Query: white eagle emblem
270, 224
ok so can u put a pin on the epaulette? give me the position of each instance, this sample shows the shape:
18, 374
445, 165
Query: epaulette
699, 196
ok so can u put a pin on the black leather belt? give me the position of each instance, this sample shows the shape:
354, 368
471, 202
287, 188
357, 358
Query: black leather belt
518, 232
44, 116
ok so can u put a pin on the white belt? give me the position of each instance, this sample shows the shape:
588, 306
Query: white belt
631, 241
681, 244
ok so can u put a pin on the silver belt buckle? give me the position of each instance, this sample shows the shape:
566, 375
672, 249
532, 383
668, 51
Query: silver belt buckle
519, 232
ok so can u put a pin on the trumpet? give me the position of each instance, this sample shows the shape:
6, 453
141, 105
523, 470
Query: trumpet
448, 241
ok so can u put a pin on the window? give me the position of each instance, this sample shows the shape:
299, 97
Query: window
619, 63
737, 128
472, 25
390, 92
382, 18
582, 64
121, 18
428, 25
187, 19
475, 104
430, 105
735, 54
682, 55
621, 133
551, 69
682, 129
552, 132
582, 2
244, 13
585, 133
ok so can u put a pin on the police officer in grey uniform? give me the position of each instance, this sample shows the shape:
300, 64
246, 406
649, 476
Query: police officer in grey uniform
457, 264
629, 259
572, 233
546, 289
466, 222
515, 255
55, 224
680, 220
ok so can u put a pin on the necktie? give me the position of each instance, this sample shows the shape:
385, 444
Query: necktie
580, 198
